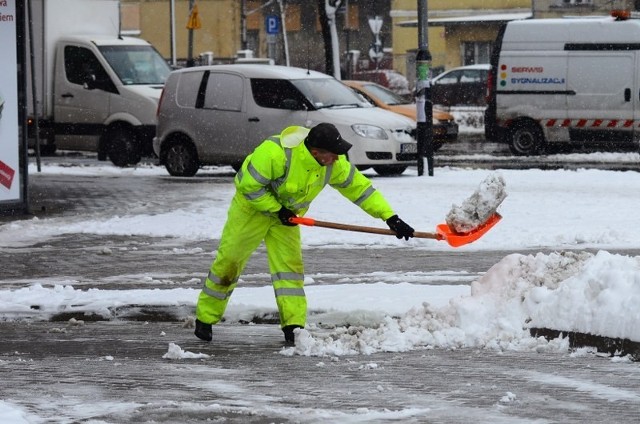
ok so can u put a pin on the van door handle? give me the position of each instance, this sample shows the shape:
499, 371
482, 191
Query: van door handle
254, 119
627, 94
66, 95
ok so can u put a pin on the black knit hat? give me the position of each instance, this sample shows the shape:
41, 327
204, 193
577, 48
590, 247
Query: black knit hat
326, 136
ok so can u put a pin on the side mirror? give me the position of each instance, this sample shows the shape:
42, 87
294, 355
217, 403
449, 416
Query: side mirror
90, 82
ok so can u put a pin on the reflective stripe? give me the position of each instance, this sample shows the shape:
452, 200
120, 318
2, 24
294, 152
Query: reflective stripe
216, 294
278, 182
275, 139
215, 280
327, 175
367, 193
240, 174
303, 205
255, 194
290, 292
287, 276
256, 175
349, 180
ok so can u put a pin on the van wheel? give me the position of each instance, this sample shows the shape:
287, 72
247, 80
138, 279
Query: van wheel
526, 139
389, 170
181, 159
122, 147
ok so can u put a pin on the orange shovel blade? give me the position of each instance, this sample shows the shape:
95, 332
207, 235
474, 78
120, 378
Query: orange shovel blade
460, 239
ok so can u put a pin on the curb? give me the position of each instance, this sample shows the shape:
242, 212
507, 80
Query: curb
612, 346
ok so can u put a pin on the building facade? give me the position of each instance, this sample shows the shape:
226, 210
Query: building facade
230, 26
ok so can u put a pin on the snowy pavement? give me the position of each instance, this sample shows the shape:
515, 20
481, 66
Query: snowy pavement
97, 294
123, 372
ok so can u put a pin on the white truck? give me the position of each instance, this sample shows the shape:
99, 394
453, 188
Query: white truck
95, 90
565, 80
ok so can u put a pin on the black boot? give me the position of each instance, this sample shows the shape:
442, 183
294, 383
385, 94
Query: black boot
203, 331
289, 337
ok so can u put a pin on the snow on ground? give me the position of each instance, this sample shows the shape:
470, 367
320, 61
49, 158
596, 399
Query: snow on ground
568, 290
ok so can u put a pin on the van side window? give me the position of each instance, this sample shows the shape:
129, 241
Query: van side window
187, 90
82, 66
272, 93
224, 92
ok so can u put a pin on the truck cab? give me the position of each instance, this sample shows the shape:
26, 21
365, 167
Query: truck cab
105, 94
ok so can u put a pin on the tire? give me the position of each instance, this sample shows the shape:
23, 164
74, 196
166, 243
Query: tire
389, 170
181, 159
526, 139
122, 147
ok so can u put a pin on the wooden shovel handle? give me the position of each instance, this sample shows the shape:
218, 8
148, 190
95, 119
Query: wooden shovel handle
358, 228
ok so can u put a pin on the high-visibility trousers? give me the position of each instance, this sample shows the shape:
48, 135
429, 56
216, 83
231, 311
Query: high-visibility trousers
243, 232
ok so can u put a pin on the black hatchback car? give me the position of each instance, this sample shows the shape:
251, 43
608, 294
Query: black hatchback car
463, 86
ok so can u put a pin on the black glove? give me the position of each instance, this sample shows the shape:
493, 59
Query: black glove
401, 228
284, 214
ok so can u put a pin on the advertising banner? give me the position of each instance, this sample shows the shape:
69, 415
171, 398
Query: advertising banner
10, 187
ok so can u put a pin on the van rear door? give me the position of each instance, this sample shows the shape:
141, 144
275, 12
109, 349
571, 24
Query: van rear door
220, 114
604, 93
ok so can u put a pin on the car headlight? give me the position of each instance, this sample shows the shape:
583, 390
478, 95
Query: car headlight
369, 131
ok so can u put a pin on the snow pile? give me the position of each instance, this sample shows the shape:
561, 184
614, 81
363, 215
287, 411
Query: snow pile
581, 292
176, 352
477, 209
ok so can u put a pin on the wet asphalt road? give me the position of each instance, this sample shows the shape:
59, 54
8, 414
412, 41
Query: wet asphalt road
114, 371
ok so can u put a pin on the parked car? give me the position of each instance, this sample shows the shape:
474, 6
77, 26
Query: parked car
216, 115
445, 128
463, 86
388, 78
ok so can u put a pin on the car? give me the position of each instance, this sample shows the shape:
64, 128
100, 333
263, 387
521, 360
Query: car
462, 86
388, 78
445, 128
217, 115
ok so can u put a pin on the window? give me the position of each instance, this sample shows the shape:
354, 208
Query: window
476, 52
82, 66
224, 92
272, 93
188, 86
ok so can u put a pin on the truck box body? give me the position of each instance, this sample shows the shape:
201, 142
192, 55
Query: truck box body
96, 91
565, 80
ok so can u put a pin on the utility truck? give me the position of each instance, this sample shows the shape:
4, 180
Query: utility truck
95, 90
566, 80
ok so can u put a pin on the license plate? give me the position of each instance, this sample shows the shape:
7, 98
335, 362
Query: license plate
409, 148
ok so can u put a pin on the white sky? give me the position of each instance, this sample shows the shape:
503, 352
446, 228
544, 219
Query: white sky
557, 210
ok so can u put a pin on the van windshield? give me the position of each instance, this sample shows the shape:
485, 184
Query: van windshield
329, 93
137, 64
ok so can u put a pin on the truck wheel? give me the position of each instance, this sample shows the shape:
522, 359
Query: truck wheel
181, 159
122, 147
388, 170
526, 139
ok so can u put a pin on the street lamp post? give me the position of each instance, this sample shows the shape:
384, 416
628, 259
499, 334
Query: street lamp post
423, 93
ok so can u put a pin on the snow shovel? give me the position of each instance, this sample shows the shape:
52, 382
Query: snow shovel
443, 232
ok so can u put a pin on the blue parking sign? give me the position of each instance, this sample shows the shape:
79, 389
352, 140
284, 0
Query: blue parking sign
272, 23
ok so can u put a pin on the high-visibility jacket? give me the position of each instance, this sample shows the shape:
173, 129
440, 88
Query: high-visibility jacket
282, 172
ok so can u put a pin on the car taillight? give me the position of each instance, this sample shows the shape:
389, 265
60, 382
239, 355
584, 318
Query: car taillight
490, 86
160, 103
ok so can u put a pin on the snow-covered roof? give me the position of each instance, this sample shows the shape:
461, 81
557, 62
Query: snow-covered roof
471, 19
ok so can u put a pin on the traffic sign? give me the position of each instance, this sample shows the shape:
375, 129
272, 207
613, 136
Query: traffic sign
272, 23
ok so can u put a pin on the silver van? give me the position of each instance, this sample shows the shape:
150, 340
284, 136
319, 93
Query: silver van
216, 115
